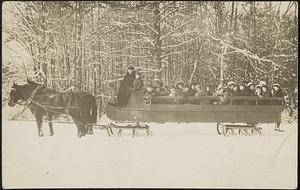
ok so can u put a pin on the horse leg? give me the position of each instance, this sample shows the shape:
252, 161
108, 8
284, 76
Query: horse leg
39, 122
90, 129
79, 127
51, 125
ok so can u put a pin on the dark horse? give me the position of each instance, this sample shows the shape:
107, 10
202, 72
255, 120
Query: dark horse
81, 106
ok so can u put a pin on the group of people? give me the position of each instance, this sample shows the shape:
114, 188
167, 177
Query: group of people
133, 82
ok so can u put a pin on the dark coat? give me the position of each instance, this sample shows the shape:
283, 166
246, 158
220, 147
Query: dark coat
179, 92
124, 90
246, 92
278, 93
189, 92
209, 93
137, 84
228, 92
267, 93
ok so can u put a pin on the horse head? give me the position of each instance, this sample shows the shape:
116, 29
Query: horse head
19, 93
15, 95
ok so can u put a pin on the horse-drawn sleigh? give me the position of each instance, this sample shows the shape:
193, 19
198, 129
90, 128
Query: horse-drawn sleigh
241, 114
248, 112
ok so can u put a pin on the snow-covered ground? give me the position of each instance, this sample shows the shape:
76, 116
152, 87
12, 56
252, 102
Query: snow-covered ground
178, 155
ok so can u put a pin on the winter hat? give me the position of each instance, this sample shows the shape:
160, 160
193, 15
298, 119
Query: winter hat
230, 83
178, 83
193, 83
262, 83
257, 86
249, 84
131, 68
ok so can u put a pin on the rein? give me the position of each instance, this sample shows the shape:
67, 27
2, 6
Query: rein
26, 103
45, 107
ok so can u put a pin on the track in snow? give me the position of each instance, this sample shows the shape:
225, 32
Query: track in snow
178, 155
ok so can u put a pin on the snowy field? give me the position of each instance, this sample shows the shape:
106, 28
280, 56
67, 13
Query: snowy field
185, 155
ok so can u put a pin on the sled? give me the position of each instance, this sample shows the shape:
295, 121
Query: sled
250, 111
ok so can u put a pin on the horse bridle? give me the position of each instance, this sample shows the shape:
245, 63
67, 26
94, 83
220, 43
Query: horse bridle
28, 100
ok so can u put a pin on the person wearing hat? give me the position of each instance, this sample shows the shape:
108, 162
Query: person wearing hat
250, 89
149, 93
262, 83
137, 83
229, 89
236, 90
277, 92
179, 88
124, 89
159, 88
258, 90
265, 91
244, 91
191, 90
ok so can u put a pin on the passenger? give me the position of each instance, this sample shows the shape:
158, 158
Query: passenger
245, 91
208, 91
219, 91
229, 89
165, 90
137, 83
190, 91
244, 83
265, 92
199, 91
236, 90
262, 83
124, 90
222, 94
179, 88
150, 90
159, 88
157, 91
228, 92
185, 88
149, 94
258, 90
172, 92
277, 92
250, 89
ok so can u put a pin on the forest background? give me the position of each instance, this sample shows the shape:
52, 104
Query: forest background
90, 44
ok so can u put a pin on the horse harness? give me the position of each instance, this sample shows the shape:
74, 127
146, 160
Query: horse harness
30, 100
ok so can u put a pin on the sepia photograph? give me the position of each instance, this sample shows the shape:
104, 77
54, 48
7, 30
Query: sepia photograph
150, 94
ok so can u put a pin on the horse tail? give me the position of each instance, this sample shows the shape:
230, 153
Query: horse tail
94, 110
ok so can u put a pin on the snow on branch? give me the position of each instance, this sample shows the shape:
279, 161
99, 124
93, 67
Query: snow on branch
171, 53
169, 13
171, 32
166, 7
176, 45
147, 25
287, 42
244, 52
138, 33
150, 70
113, 80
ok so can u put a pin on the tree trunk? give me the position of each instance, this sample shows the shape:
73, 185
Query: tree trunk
157, 40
